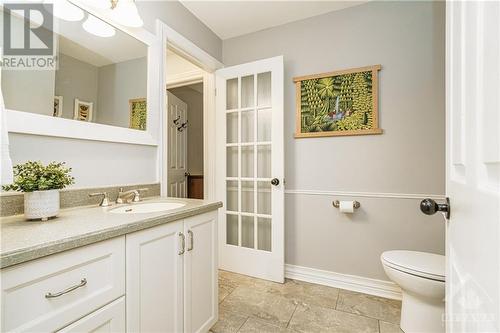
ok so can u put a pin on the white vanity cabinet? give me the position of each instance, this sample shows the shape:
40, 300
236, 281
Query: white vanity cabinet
172, 276
49, 293
159, 279
109, 318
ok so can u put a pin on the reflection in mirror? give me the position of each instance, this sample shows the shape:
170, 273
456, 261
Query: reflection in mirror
101, 75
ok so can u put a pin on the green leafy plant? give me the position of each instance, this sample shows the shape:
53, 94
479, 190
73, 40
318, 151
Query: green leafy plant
34, 176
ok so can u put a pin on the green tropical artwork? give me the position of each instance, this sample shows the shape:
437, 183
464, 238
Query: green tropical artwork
340, 103
138, 113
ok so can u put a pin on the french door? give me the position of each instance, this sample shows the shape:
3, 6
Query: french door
177, 147
250, 168
473, 166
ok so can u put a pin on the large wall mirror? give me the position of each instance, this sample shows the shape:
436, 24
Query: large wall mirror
102, 75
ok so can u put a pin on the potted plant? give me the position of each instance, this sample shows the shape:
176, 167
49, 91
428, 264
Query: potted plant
41, 185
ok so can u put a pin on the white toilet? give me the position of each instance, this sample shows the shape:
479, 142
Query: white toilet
421, 277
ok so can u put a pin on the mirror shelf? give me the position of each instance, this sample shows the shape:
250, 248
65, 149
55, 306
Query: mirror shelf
35, 124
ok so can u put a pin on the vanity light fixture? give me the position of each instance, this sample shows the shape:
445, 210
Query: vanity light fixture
100, 4
97, 27
65, 10
125, 12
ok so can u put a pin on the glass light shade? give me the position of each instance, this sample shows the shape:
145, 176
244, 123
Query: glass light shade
126, 13
97, 27
101, 4
66, 11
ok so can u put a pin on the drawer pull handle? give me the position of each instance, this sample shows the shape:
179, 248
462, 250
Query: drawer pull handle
191, 240
183, 243
70, 289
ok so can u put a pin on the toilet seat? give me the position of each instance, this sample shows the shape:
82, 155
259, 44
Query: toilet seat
424, 265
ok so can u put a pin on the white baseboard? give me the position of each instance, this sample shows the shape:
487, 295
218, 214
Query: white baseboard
365, 285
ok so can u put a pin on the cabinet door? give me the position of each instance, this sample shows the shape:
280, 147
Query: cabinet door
200, 271
154, 279
109, 318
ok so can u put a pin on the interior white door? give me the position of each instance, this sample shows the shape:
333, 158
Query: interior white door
177, 147
250, 169
473, 165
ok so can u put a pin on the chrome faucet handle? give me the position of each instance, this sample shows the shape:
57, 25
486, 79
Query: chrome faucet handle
137, 197
105, 198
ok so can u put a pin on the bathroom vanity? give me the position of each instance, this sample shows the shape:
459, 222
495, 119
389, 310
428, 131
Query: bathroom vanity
93, 268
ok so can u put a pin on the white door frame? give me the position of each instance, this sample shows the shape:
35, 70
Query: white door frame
170, 38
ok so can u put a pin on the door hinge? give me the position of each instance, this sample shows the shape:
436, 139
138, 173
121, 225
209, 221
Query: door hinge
215, 90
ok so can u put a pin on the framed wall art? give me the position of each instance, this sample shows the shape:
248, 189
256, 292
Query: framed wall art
83, 110
138, 113
58, 106
338, 103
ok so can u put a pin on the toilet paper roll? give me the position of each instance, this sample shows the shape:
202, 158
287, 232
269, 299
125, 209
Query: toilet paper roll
346, 207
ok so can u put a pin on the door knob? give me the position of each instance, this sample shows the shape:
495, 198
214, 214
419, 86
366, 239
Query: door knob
275, 181
430, 207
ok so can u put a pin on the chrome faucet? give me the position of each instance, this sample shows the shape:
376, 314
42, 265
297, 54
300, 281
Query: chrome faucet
129, 196
105, 198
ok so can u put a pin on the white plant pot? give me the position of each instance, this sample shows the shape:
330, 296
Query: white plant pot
41, 204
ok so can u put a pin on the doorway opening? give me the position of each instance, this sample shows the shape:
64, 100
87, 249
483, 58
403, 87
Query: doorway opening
185, 114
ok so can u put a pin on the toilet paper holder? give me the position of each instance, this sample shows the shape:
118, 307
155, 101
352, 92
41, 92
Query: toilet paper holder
336, 204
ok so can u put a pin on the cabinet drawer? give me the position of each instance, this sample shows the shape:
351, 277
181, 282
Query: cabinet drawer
110, 318
79, 281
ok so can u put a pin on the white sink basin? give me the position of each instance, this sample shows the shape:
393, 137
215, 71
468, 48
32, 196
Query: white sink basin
152, 207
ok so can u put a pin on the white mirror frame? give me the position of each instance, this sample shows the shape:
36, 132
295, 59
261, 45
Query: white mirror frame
36, 124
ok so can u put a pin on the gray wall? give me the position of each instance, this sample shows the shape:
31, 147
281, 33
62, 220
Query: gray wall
94, 163
407, 39
76, 79
194, 101
181, 20
30, 91
118, 83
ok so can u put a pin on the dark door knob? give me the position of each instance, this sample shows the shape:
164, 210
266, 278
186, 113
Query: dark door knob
275, 181
430, 207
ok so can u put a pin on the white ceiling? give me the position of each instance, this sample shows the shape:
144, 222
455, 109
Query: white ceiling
234, 18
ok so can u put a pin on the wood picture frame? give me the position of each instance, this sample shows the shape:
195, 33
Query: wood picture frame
83, 111
138, 113
337, 103
58, 106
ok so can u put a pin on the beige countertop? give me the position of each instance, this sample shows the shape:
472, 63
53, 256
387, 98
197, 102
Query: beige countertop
23, 240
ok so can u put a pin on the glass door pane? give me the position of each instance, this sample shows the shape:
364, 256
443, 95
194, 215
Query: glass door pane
247, 93
248, 140
264, 89
232, 94
264, 117
232, 229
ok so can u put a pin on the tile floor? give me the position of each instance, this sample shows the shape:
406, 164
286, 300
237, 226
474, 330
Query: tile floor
252, 305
